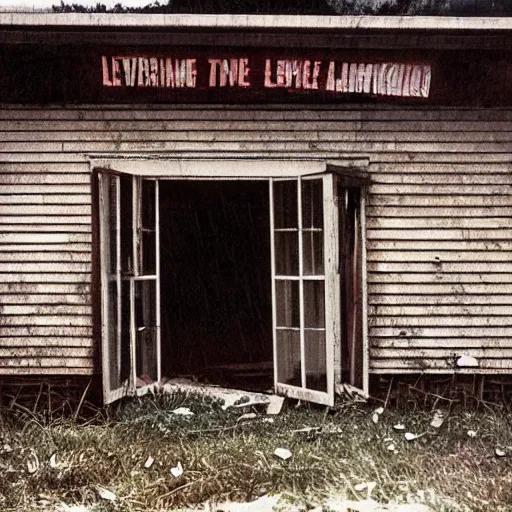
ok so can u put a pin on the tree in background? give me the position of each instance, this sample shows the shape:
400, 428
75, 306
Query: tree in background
320, 7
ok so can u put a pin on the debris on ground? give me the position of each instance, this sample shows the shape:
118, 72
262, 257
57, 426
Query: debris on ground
285, 503
438, 419
149, 462
471, 433
177, 471
182, 411
229, 397
391, 447
399, 426
351, 392
366, 486
499, 452
247, 416
105, 494
273, 503
376, 414
73, 508
282, 453
409, 436
306, 430
32, 463
275, 404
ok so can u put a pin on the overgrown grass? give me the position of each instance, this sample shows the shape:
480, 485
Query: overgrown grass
226, 459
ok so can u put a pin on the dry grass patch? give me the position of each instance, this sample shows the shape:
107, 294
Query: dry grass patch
226, 459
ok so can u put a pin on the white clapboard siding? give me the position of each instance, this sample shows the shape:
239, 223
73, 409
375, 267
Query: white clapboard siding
439, 218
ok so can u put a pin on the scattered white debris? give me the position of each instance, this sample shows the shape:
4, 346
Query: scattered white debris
399, 426
368, 486
105, 494
177, 471
149, 462
357, 506
306, 429
282, 453
73, 508
230, 397
251, 403
376, 414
332, 429
248, 416
410, 507
32, 463
264, 504
183, 411
411, 437
466, 361
351, 392
275, 404
6, 448
438, 419
472, 433
53, 461
499, 452
391, 447
268, 420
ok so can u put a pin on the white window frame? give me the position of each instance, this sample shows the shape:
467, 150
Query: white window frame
240, 168
129, 386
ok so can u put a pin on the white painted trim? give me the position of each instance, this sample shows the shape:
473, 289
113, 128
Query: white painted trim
211, 169
157, 269
119, 284
104, 254
308, 395
135, 223
273, 277
332, 283
302, 313
109, 395
364, 295
255, 21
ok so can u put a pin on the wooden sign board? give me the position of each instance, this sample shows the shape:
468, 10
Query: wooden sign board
160, 74
338, 78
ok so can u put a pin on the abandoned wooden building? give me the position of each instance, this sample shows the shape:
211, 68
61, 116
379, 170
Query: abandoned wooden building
319, 199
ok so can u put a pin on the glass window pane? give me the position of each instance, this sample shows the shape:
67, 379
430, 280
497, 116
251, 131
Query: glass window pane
114, 356
285, 204
316, 367
126, 183
288, 357
125, 331
287, 303
287, 253
312, 204
146, 230
112, 220
145, 328
147, 253
148, 217
313, 249
314, 304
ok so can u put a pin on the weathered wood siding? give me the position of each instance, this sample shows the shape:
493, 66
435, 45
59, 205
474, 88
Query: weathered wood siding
439, 219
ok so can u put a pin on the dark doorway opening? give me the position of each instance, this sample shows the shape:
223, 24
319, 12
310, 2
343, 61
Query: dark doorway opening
216, 300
